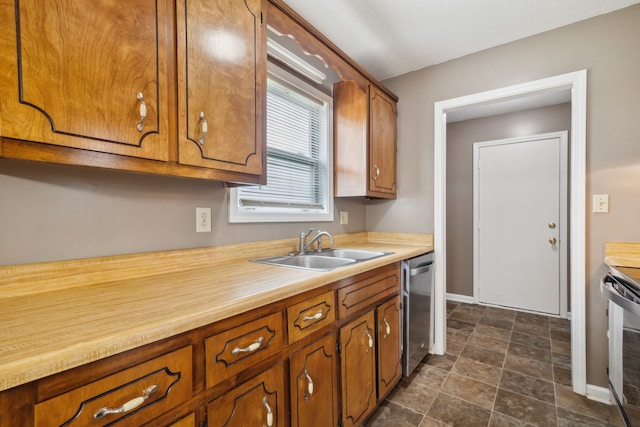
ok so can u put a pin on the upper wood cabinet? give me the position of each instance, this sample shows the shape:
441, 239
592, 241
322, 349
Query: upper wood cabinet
89, 75
365, 132
382, 144
180, 81
221, 84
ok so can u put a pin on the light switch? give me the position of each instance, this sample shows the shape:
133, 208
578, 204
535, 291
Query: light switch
600, 203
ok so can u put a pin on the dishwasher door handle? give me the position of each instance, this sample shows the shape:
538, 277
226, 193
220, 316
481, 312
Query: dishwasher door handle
420, 269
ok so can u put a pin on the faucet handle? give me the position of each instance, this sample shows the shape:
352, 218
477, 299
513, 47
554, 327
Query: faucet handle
305, 235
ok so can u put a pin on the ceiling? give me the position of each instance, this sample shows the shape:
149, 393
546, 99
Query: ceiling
392, 37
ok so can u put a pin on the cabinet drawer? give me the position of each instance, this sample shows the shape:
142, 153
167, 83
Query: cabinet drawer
142, 393
310, 315
236, 349
368, 291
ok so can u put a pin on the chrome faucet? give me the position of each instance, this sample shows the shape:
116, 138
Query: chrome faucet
318, 237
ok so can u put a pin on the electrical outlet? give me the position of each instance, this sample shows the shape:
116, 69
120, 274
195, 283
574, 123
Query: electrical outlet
344, 217
203, 220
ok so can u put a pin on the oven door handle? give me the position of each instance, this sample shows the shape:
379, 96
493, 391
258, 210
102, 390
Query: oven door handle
614, 296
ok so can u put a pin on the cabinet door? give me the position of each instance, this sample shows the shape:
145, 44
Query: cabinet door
257, 402
358, 365
89, 75
350, 114
389, 343
221, 84
382, 144
314, 385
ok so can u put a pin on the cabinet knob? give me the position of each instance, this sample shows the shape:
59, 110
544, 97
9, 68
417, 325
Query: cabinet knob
127, 406
377, 172
265, 402
552, 240
316, 316
370, 340
309, 392
387, 328
204, 127
143, 111
250, 348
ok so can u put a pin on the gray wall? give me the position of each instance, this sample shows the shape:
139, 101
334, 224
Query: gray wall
609, 48
460, 139
51, 212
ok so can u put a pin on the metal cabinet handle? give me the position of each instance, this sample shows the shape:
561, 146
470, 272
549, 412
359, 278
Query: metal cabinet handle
128, 406
309, 392
387, 330
316, 316
251, 348
552, 240
143, 111
204, 127
370, 342
377, 172
265, 402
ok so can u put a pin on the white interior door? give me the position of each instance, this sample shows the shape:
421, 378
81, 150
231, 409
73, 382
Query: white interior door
520, 222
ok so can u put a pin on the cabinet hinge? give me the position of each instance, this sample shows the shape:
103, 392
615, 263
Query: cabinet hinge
338, 349
261, 18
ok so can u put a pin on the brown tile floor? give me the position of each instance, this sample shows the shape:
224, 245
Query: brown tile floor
502, 368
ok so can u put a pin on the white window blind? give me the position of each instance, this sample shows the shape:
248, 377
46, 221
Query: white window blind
298, 150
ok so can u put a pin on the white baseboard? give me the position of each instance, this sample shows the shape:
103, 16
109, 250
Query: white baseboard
599, 394
460, 298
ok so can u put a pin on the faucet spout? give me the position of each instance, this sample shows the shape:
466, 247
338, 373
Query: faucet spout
318, 238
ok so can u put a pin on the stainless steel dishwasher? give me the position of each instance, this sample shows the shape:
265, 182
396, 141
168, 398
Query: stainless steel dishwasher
417, 288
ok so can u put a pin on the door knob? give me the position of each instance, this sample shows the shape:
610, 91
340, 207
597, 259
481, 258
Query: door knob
552, 240
552, 225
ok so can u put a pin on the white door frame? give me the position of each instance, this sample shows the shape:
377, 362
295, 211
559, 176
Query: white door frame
577, 83
562, 218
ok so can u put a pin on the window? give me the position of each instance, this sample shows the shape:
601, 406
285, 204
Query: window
299, 157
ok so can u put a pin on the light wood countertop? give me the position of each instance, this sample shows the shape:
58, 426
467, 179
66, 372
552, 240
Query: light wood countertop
622, 254
59, 315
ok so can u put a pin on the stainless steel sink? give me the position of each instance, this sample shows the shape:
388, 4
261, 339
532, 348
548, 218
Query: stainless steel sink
322, 261
357, 254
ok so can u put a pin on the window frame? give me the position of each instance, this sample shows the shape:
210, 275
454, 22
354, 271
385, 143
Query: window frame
272, 214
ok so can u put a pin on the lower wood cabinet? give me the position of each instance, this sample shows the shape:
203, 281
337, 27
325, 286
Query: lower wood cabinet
371, 360
313, 373
358, 369
389, 344
325, 358
257, 402
130, 397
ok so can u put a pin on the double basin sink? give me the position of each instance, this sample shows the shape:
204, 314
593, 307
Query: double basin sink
325, 260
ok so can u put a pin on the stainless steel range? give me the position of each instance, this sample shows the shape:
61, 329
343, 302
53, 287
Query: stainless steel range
622, 288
